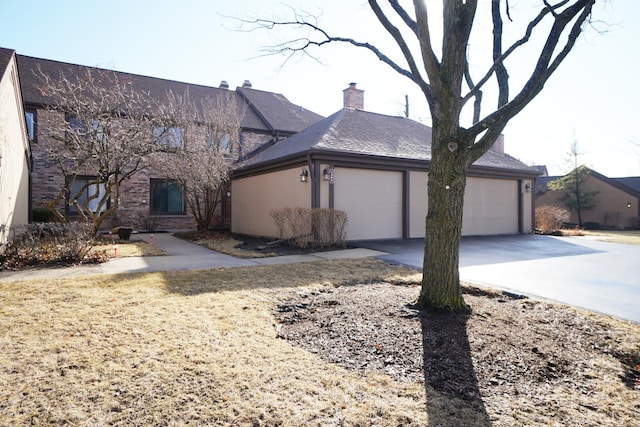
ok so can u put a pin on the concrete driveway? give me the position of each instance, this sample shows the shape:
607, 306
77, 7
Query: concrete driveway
579, 271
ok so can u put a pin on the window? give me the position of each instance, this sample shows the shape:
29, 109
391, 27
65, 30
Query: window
166, 198
223, 146
169, 137
90, 190
30, 117
92, 128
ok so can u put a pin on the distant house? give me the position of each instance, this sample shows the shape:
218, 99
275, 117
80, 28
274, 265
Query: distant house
266, 117
617, 200
374, 167
15, 155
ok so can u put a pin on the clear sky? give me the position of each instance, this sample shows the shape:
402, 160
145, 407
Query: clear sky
593, 98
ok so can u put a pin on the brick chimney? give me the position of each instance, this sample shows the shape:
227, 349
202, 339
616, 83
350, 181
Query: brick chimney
353, 97
498, 146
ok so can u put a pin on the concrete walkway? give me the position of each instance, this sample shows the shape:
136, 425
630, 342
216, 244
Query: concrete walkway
182, 255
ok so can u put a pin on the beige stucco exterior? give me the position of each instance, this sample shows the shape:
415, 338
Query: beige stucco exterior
614, 208
252, 198
372, 200
14, 154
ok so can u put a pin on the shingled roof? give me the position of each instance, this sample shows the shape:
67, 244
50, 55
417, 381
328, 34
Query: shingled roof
5, 57
357, 132
262, 115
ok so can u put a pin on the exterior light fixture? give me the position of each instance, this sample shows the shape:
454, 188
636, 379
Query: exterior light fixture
326, 173
629, 205
304, 175
527, 187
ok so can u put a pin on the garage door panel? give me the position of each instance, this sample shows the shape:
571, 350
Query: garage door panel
372, 200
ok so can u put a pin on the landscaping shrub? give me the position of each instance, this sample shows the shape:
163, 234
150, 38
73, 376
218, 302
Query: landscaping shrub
550, 218
305, 227
49, 243
43, 215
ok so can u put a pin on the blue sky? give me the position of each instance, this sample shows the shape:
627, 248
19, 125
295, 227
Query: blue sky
593, 98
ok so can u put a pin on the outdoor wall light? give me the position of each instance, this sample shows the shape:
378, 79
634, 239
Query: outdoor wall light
629, 205
304, 175
527, 187
326, 173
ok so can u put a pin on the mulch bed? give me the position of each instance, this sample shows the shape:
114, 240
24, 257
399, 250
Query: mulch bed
507, 346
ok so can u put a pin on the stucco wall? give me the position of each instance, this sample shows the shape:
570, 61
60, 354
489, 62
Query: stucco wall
14, 155
611, 209
252, 199
372, 200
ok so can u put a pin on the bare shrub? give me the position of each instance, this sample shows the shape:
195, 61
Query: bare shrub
279, 217
550, 218
329, 227
299, 224
311, 227
49, 243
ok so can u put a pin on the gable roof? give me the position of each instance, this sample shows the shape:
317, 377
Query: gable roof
357, 132
632, 182
271, 105
276, 110
629, 185
5, 58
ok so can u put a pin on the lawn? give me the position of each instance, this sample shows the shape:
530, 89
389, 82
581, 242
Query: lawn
628, 237
220, 347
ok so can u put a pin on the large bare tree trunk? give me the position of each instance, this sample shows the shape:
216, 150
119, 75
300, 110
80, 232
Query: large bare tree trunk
447, 180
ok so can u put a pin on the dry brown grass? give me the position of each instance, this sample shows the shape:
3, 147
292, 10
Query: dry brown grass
627, 237
196, 348
231, 246
129, 248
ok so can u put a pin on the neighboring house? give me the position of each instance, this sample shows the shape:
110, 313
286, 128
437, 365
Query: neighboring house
374, 167
266, 117
15, 156
617, 200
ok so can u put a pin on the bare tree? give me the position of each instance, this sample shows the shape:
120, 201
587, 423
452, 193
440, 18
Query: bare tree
210, 136
577, 198
444, 77
98, 128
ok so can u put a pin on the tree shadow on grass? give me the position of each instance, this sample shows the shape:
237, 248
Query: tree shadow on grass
448, 370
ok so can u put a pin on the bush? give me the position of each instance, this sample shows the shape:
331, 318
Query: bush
43, 215
550, 218
305, 227
49, 243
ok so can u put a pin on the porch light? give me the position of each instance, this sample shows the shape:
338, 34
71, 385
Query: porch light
629, 205
326, 173
304, 175
527, 187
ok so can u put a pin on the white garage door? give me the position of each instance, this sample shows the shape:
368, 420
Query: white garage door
372, 200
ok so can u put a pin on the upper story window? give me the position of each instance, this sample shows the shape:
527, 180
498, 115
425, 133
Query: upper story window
170, 137
223, 145
91, 128
30, 117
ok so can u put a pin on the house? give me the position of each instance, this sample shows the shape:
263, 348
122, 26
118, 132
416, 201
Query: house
266, 117
374, 167
15, 155
617, 200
